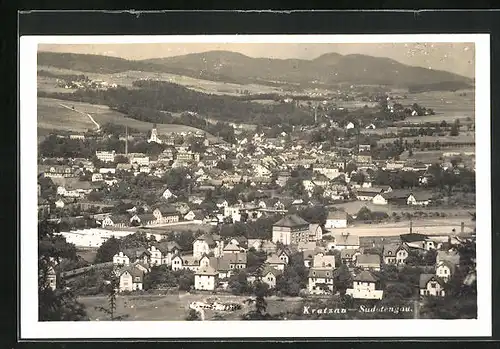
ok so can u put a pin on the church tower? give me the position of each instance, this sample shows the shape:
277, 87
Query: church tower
154, 135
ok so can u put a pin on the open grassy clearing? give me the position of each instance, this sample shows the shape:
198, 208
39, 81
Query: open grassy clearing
175, 307
127, 78
53, 116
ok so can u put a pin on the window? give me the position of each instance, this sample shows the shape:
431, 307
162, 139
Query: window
433, 285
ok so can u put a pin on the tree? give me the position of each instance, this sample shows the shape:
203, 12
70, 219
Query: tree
59, 304
342, 279
112, 289
186, 280
238, 283
193, 315
107, 250
455, 128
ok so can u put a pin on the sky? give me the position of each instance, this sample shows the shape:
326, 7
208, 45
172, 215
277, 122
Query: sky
457, 58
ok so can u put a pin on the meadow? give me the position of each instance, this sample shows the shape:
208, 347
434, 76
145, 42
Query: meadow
53, 116
175, 307
127, 78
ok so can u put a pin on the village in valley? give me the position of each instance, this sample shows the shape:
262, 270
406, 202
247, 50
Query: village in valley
356, 213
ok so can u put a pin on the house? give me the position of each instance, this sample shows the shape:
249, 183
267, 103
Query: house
236, 260
162, 252
348, 256
346, 240
315, 233
322, 260
336, 219
166, 215
144, 220
291, 229
445, 270
131, 279
270, 275
262, 245
364, 286
97, 177
368, 262
206, 279
417, 241
431, 285
167, 194
419, 199
397, 197
206, 244
121, 259
320, 280
231, 248
185, 262
368, 194
134, 254
51, 278
275, 261
196, 215
379, 199
115, 221
395, 254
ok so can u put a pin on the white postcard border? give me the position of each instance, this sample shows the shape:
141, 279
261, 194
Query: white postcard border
30, 328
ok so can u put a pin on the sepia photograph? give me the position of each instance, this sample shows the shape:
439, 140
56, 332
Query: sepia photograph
188, 182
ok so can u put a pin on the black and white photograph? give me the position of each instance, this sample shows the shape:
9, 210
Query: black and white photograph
204, 184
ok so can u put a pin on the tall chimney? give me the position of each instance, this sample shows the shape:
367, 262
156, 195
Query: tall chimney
411, 227
462, 226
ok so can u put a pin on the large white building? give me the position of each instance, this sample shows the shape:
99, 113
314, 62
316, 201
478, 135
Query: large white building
106, 156
364, 286
205, 279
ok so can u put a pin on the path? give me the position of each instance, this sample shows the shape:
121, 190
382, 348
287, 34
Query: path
81, 112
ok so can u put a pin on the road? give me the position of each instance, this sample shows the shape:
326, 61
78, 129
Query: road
81, 112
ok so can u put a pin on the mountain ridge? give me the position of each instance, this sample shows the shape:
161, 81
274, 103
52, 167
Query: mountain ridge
328, 69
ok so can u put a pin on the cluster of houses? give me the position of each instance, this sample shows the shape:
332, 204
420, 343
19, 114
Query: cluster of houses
213, 260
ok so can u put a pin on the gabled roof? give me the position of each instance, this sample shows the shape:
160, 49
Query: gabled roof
231, 247
422, 196
208, 270
365, 276
425, 278
321, 273
134, 272
167, 246
347, 253
209, 239
372, 259
268, 269
220, 264
391, 249
235, 258
324, 261
291, 221
274, 259
146, 217
448, 264
397, 194
134, 253
336, 215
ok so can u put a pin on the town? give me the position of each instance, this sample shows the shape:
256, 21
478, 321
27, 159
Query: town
341, 213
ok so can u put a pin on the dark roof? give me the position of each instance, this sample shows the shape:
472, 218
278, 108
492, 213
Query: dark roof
425, 278
346, 239
347, 253
365, 276
235, 258
135, 252
208, 270
368, 259
268, 269
336, 215
393, 248
219, 264
146, 217
422, 196
413, 237
209, 239
321, 273
167, 246
291, 221
135, 272
397, 194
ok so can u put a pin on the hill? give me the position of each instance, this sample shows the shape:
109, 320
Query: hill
52, 115
329, 69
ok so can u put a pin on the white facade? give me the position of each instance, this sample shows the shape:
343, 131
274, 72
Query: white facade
364, 290
204, 282
433, 288
129, 282
443, 271
336, 223
379, 200
121, 259
106, 156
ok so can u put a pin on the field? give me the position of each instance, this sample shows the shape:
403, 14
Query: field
87, 254
126, 78
447, 105
174, 307
53, 116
